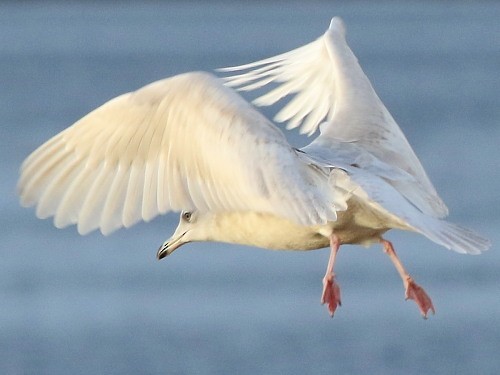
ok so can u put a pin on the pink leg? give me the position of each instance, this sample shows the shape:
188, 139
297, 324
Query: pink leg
413, 290
331, 290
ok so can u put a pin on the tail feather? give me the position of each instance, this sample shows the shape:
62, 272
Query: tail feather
455, 237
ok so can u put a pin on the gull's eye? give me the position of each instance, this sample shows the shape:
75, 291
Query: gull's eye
186, 216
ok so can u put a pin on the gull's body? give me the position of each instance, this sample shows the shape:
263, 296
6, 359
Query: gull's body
189, 143
358, 225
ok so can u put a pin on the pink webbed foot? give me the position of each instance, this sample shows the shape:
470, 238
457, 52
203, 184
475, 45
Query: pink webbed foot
413, 290
418, 294
331, 294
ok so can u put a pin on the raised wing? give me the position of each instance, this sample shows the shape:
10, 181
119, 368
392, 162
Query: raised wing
181, 143
328, 84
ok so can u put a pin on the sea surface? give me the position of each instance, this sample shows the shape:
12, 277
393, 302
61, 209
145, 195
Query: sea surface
105, 305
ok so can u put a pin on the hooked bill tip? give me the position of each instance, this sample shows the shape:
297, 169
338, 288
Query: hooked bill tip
162, 252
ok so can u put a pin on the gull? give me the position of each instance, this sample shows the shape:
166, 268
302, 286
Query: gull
191, 143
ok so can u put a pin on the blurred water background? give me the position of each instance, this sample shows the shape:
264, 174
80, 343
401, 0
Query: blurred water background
104, 305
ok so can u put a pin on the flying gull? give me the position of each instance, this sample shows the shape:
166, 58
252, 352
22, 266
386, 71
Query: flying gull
190, 143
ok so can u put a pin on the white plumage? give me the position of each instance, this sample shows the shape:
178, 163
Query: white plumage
191, 144
182, 143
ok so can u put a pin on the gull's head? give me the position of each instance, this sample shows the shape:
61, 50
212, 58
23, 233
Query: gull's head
192, 227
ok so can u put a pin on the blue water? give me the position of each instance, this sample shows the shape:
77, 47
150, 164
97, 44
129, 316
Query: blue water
104, 305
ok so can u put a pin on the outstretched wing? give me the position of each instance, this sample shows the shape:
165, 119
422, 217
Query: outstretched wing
329, 85
181, 143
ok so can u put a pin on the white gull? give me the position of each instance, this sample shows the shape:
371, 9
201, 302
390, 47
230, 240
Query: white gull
191, 144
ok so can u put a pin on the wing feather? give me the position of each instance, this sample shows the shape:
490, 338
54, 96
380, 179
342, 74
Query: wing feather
72, 200
111, 216
181, 143
149, 197
57, 186
90, 212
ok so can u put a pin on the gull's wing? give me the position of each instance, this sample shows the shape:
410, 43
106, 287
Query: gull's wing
328, 84
181, 143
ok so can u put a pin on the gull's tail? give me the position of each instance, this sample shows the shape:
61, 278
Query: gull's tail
453, 236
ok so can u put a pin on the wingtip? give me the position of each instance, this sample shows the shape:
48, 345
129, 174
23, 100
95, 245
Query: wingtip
338, 25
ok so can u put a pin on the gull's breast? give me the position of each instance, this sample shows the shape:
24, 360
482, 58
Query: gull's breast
359, 224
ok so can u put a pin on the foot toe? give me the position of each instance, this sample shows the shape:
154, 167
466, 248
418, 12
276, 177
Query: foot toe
421, 298
331, 294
